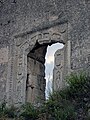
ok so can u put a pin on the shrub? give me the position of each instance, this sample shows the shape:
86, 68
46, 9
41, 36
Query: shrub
11, 112
72, 102
28, 111
79, 92
59, 109
3, 110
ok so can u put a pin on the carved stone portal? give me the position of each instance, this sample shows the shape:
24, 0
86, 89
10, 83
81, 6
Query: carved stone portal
28, 78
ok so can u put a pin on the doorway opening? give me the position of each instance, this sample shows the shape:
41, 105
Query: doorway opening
37, 83
49, 66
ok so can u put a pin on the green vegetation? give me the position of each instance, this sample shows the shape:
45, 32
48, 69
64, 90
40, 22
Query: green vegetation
71, 103
29, 112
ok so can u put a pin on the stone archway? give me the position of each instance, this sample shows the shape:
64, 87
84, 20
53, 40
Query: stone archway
27, 43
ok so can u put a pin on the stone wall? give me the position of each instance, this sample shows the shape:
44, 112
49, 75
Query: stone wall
25, 24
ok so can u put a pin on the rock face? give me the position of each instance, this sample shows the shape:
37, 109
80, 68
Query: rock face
35, 83
27, 27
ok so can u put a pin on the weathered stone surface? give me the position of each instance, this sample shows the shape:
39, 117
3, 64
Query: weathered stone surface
58, 72
3, 55
26, 25
35, 87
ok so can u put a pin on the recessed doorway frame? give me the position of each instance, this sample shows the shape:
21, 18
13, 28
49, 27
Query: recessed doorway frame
23, 44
